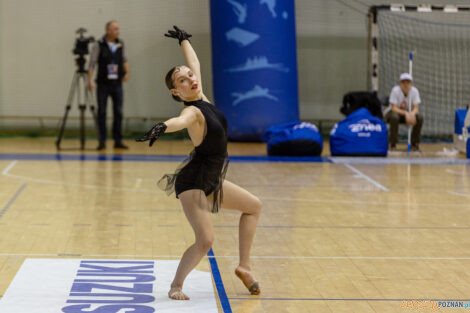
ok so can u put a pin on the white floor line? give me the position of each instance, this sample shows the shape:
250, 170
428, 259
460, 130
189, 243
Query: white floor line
362, 202
449, 171
43, 181
459, 194
370, 180
9, 167
77, 255
52, 182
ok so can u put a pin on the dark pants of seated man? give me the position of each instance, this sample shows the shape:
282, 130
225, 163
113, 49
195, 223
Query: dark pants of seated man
395, 119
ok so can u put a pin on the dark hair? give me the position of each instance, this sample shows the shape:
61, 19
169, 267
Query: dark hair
170, 84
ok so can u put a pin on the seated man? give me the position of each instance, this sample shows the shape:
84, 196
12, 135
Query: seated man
403, 108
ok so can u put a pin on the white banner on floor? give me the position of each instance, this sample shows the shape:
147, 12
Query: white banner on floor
104, 286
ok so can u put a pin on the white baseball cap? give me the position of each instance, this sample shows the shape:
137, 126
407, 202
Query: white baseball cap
406, 76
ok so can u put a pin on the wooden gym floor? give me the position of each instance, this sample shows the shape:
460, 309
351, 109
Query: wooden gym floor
341, 235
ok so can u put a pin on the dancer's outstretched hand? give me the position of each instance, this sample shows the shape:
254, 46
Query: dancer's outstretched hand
178, 34
153, 134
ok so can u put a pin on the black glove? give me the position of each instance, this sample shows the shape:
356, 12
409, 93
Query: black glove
153, 134
178, 34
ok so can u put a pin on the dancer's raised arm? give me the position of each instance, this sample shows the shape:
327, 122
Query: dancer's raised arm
189, 54
192, 61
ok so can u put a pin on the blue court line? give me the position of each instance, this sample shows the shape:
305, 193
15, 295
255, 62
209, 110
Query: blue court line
146, 158
262, 158
339, 299
218, 283
233, 158
7, 206
91, 157
117, 262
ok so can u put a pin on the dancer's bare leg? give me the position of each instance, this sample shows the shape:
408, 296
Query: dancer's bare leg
237, 198
195, 208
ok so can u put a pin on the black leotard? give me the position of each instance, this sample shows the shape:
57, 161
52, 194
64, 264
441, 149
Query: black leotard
206, 166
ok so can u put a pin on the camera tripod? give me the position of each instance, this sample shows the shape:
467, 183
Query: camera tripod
79, 89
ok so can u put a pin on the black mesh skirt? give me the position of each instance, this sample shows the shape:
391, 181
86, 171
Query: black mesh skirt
203, 172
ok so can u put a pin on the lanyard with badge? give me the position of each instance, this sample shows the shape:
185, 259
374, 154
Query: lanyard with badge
113, 68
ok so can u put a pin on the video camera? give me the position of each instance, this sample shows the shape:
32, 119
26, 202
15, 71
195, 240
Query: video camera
84, 98
81, 43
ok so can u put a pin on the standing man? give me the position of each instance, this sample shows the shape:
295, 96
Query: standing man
113, 70
402, 97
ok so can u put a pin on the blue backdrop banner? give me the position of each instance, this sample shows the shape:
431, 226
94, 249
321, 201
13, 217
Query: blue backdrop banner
254, 61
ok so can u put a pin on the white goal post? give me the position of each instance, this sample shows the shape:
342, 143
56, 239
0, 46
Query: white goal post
438, 36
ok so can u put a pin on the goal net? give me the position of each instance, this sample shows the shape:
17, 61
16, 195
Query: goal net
439, 38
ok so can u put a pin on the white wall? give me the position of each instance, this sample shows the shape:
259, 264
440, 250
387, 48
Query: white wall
37, 38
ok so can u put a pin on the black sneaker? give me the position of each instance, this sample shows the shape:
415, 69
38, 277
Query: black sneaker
101, 146
120, 145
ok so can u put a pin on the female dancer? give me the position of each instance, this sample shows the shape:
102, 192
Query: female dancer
199, 182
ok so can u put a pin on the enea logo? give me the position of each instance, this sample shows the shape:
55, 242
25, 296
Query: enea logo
306, 125
365, 126
333, 130
112, 286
